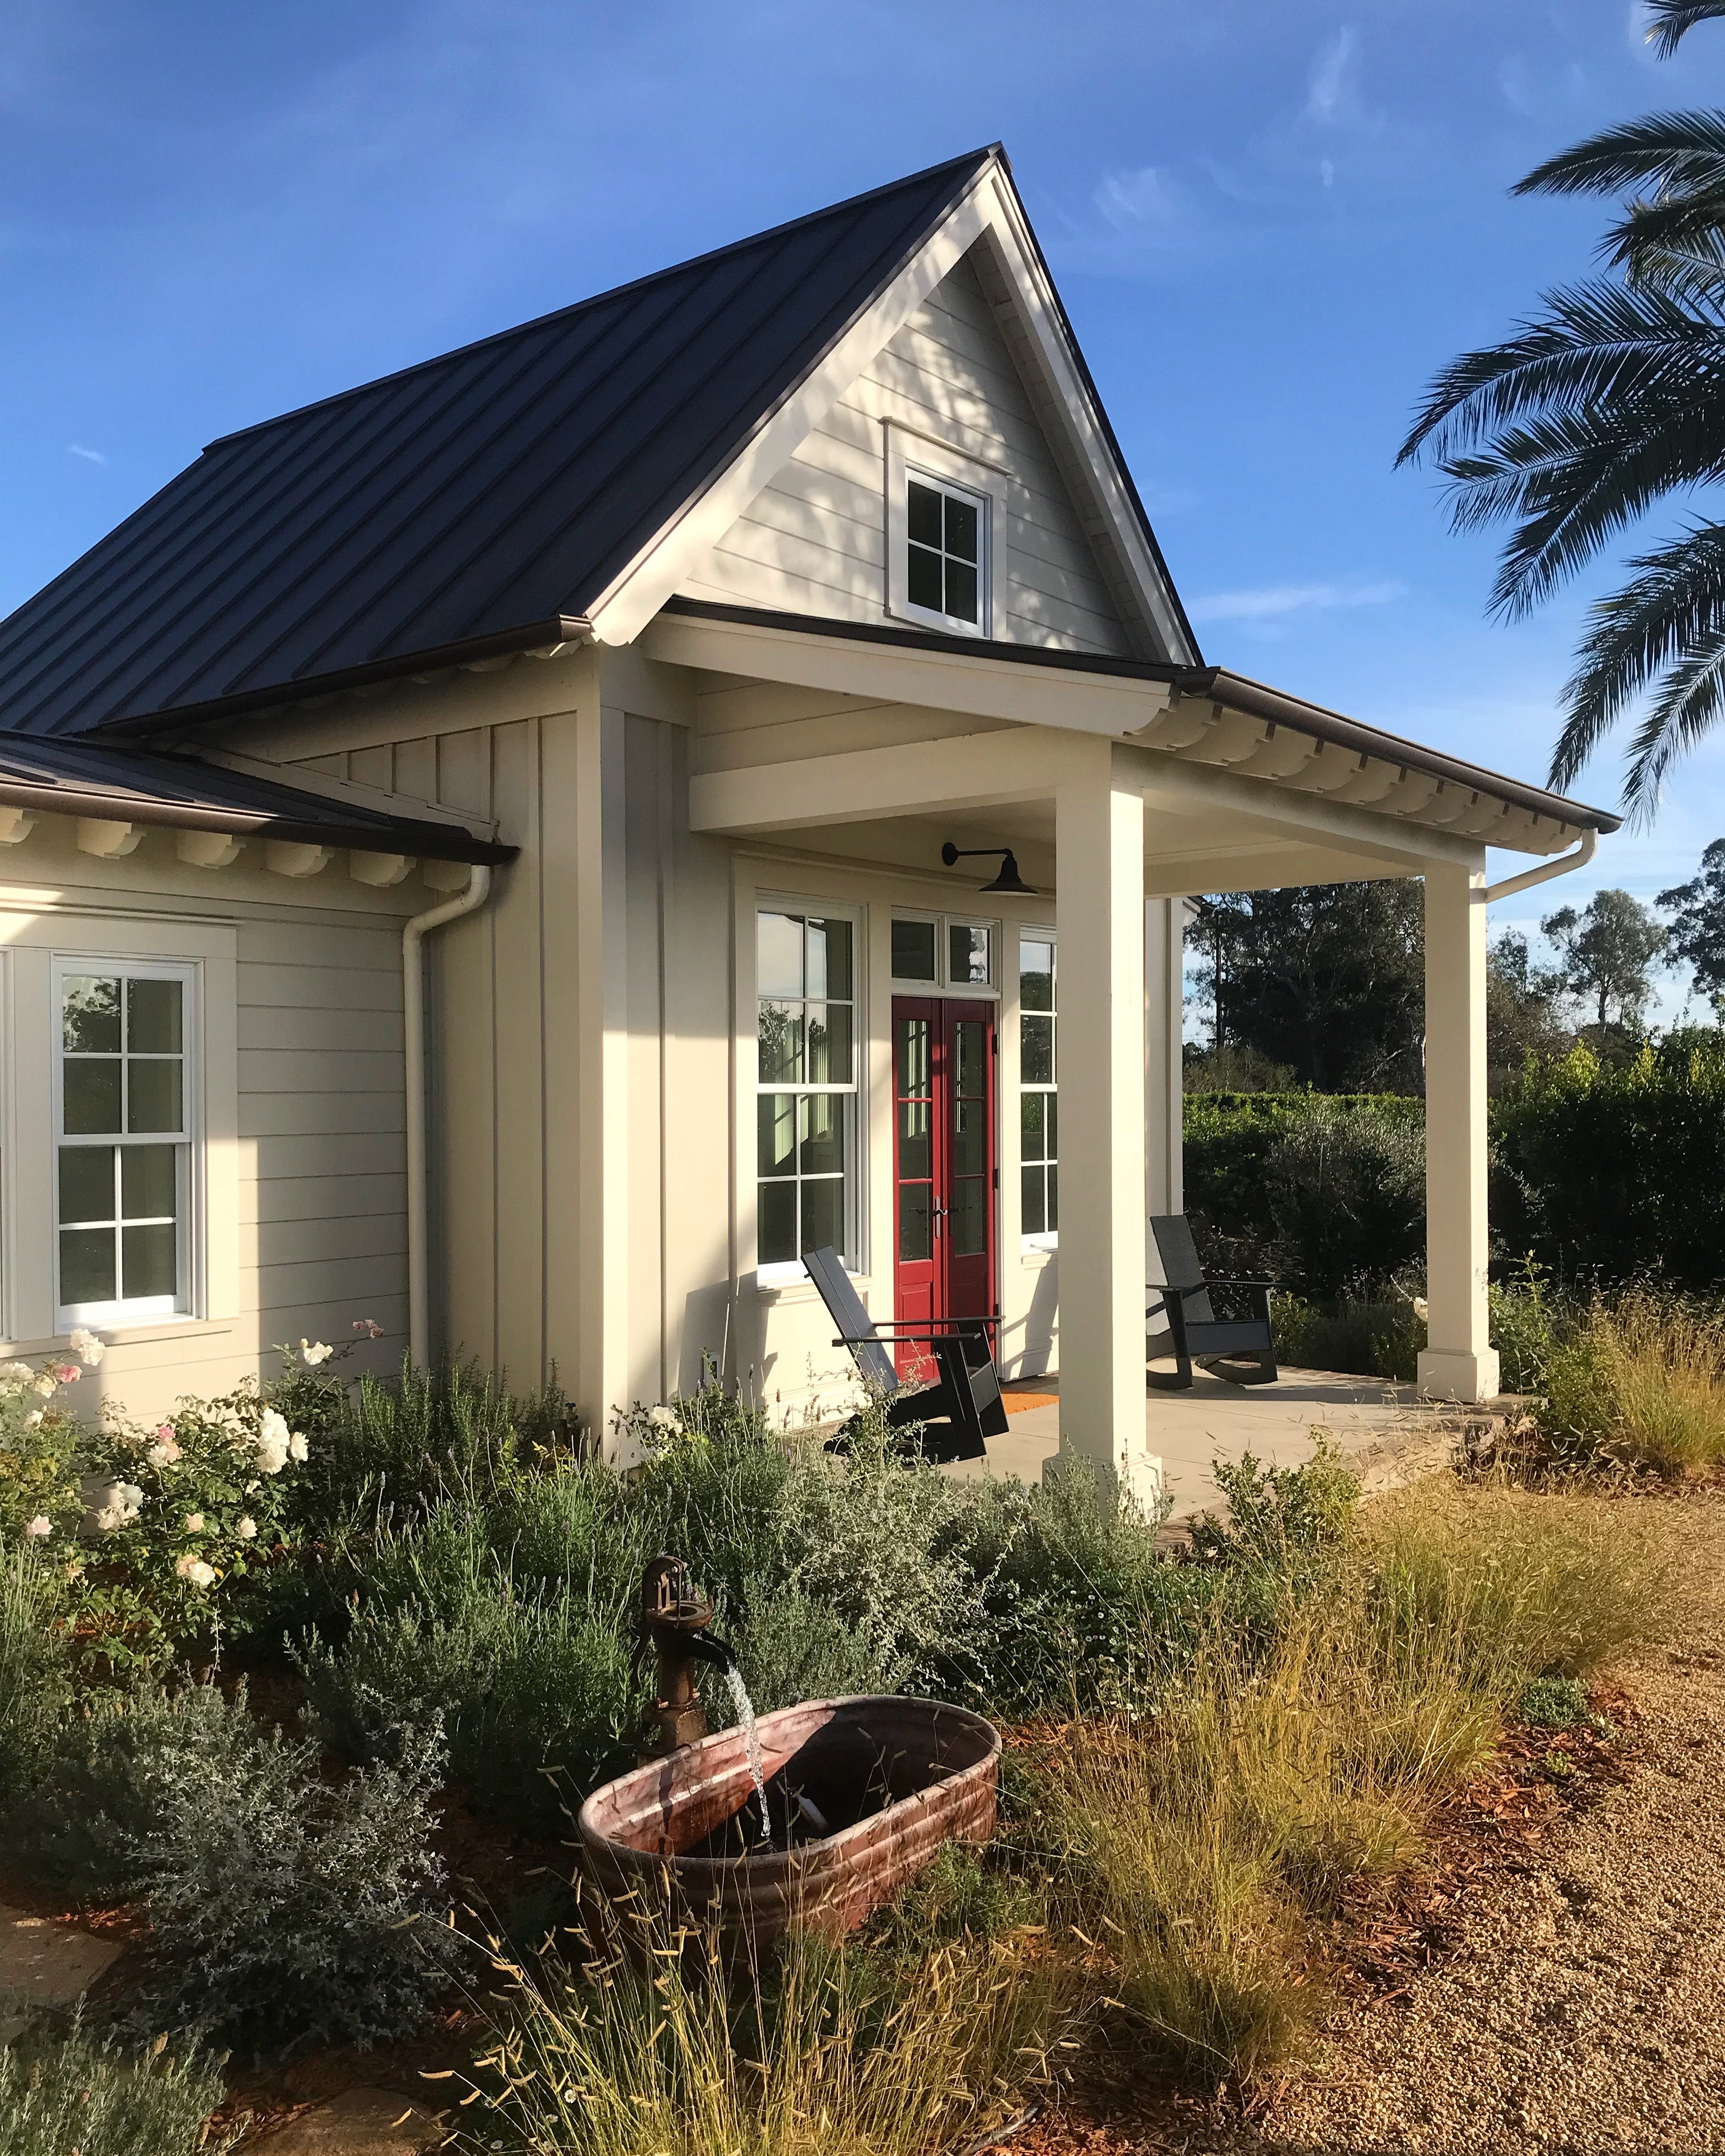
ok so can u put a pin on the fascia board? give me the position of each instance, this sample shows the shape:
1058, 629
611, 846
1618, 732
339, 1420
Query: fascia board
858, 785
949, 681
633, 598
1018, 258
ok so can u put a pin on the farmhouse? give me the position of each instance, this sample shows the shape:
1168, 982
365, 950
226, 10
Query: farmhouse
522, 850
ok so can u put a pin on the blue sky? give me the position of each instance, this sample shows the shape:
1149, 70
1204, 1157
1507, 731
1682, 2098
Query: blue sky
1271, 219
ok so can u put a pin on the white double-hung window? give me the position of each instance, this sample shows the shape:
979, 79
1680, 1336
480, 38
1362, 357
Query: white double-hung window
806, 1109
124, 1106
1038, 1093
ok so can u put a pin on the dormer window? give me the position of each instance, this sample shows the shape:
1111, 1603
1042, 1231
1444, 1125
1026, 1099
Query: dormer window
944, 529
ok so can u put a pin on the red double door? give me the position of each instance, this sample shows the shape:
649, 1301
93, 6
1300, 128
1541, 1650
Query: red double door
943, 1165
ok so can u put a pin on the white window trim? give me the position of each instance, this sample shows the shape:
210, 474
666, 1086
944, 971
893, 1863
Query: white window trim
1046, 1243
92, 936
910, 455
189, 1141
942, 984
788, 1272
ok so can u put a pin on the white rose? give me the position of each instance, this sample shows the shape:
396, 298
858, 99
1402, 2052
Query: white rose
314, 1351
194, 1523
33, 1419
197, 1571
247, 1529
13, 1374
298, 1448
44, 1382
110, 1503
88, 1350
663, 1419
273, 1441
40, 1526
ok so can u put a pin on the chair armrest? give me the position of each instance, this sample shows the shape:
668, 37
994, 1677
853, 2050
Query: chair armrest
947, 1328
1162, 1289
1239, 1279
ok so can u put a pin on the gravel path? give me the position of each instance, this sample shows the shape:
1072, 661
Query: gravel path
1586, 2009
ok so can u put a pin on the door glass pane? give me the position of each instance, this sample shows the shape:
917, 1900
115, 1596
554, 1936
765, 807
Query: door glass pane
780, 1034
1035, 974
829, 959
824, 1215
153, 1018
1034, 1221
776, 1121
778, 955
148, 1184
87, 1264
776, 1223
152, 1093
914, 1160
90, 1011
92, 1093
913, 950
915, 1239
968, 956
913, 1056
1031, 1119
971, 1074
968, 1220
1036, 1050
147, 1260
87, 1182
969, 1139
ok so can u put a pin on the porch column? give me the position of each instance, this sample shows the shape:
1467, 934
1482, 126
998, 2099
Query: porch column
1459, 1365
1099, 843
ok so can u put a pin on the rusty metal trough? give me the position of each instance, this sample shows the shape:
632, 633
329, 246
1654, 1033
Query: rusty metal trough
890, 1778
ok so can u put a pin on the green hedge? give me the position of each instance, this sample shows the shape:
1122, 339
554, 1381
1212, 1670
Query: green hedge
1608, 1175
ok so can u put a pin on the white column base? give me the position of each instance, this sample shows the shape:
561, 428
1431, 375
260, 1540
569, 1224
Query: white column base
1447, 1375
1138, 1481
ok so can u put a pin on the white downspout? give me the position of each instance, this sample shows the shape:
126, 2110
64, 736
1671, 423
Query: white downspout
413, 1003
1547, 870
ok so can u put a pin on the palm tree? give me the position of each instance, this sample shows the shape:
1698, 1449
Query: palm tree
1612, 396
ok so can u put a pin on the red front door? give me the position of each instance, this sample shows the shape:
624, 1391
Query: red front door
943, 1064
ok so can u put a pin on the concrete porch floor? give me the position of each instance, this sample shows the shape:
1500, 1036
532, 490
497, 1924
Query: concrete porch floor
1278, 1424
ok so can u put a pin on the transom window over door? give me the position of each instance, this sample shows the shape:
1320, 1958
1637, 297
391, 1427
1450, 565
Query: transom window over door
947, 531
124, 1110
806, 1110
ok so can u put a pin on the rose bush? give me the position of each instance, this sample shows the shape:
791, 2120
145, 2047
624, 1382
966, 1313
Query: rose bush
43, 1445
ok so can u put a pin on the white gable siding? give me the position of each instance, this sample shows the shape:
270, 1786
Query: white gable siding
814, 541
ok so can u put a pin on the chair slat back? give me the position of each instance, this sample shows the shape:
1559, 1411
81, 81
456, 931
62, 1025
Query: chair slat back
1179, 1256
844, 1306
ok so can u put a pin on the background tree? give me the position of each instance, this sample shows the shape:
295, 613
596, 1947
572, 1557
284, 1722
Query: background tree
1697, 911
1327, 982
1523, 1016
1609, 953
1602, 403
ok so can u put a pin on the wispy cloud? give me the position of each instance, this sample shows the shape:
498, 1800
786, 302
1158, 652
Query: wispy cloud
1271, 602
78, 450
1131, 200
1329, 89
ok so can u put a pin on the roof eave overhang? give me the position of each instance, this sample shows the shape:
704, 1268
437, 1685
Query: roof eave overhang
550, 636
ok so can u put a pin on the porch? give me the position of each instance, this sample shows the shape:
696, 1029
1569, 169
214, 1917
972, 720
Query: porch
1381, 1428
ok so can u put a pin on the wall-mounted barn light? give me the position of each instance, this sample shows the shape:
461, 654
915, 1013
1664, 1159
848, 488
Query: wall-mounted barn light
1008, 883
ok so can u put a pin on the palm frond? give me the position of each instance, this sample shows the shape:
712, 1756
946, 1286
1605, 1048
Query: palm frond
1672, 18
1662, 149
1669, 617
1676, 247
1595, 341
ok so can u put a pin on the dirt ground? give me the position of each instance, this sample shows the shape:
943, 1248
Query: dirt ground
1556, 1983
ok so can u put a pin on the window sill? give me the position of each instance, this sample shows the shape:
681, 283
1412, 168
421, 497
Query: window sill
115, 1335
1035, 1251
790, 1284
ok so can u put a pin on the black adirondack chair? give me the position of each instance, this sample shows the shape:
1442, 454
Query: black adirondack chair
961, 1410
1242, 1349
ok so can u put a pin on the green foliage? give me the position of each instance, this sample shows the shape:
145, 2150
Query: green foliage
1698, 931
1379, 1336
283, 1910
77, 2095
1291, 1519
1319, 1192
1614, 1175
1608, 953
35, 1674
1552, 1702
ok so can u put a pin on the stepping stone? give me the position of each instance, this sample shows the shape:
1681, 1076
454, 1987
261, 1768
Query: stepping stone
362, 2122
44, 1962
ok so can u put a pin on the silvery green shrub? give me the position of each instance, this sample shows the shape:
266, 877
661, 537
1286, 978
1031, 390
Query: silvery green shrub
77, 2092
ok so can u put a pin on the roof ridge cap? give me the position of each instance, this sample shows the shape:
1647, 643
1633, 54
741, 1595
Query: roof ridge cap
977, 159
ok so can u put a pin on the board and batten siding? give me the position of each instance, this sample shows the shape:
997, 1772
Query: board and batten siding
814, 542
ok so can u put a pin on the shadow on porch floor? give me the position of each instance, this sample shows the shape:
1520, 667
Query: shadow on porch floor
1370, 1418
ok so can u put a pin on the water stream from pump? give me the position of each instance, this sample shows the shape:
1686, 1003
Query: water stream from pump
751, 1742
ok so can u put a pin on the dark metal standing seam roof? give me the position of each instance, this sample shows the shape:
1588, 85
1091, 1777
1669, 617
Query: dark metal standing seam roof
483, 495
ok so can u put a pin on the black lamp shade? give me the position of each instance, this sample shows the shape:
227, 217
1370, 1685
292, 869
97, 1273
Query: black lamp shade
1008, 883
